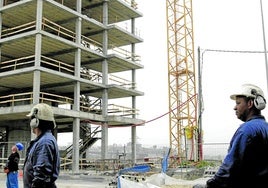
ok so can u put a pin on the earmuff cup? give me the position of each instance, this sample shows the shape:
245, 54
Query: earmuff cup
34, 123
259, 102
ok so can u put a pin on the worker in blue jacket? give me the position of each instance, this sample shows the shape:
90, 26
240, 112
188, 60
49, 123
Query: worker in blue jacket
42, 163
246, 164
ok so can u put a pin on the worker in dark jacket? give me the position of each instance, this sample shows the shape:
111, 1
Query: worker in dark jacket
42, 163
12, 166
246, 164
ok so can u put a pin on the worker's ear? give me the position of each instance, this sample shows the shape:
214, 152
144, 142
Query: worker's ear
250, 103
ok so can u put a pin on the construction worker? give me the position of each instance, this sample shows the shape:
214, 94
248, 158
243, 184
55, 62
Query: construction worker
42, 162
12, 166
246, 163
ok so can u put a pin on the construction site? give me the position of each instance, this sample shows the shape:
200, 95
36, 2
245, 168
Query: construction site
78, 57
64, 53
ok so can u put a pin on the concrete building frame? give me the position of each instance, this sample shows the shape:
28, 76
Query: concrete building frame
69, 53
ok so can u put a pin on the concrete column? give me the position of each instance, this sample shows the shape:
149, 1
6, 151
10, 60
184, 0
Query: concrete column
76, 104
1, 21
39, 14
79, 6
38, 37
104, 131
76, 129
76, 137
133, 144
133, 128
38, 42
36, 92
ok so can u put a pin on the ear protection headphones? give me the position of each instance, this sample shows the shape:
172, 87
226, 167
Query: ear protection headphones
34, 121
259, 100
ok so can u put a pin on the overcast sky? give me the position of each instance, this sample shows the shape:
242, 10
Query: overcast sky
222, 25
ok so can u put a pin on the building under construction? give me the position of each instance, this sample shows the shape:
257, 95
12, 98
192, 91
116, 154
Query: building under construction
75, 55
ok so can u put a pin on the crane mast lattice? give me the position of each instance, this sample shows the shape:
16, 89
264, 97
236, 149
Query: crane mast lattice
181, 80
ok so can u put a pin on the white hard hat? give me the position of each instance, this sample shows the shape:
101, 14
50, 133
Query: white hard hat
248, 90
42, 111
252, 91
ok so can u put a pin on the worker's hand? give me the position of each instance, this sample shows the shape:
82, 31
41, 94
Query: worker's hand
200, 186
38, 185
6, 170
43, 185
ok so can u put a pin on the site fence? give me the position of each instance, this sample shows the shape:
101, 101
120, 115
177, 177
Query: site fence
215, 151
211, 152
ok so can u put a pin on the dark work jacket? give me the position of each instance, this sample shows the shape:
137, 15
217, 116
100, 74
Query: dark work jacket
42, 163
246, 164
13, 162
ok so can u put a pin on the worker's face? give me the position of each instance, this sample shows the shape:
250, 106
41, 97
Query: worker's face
242, 108
14, 149
36, 131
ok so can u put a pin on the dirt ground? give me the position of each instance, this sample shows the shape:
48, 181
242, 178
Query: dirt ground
70, 181
93, 180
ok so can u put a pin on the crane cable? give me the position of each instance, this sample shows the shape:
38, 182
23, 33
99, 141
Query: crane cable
149, 121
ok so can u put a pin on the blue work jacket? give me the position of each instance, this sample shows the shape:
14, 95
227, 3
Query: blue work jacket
246, 164
42, 163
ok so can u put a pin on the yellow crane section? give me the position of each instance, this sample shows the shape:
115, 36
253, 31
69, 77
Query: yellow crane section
181, 80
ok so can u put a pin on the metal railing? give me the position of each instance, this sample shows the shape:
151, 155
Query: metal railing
59, 100
67, 34
60, 66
